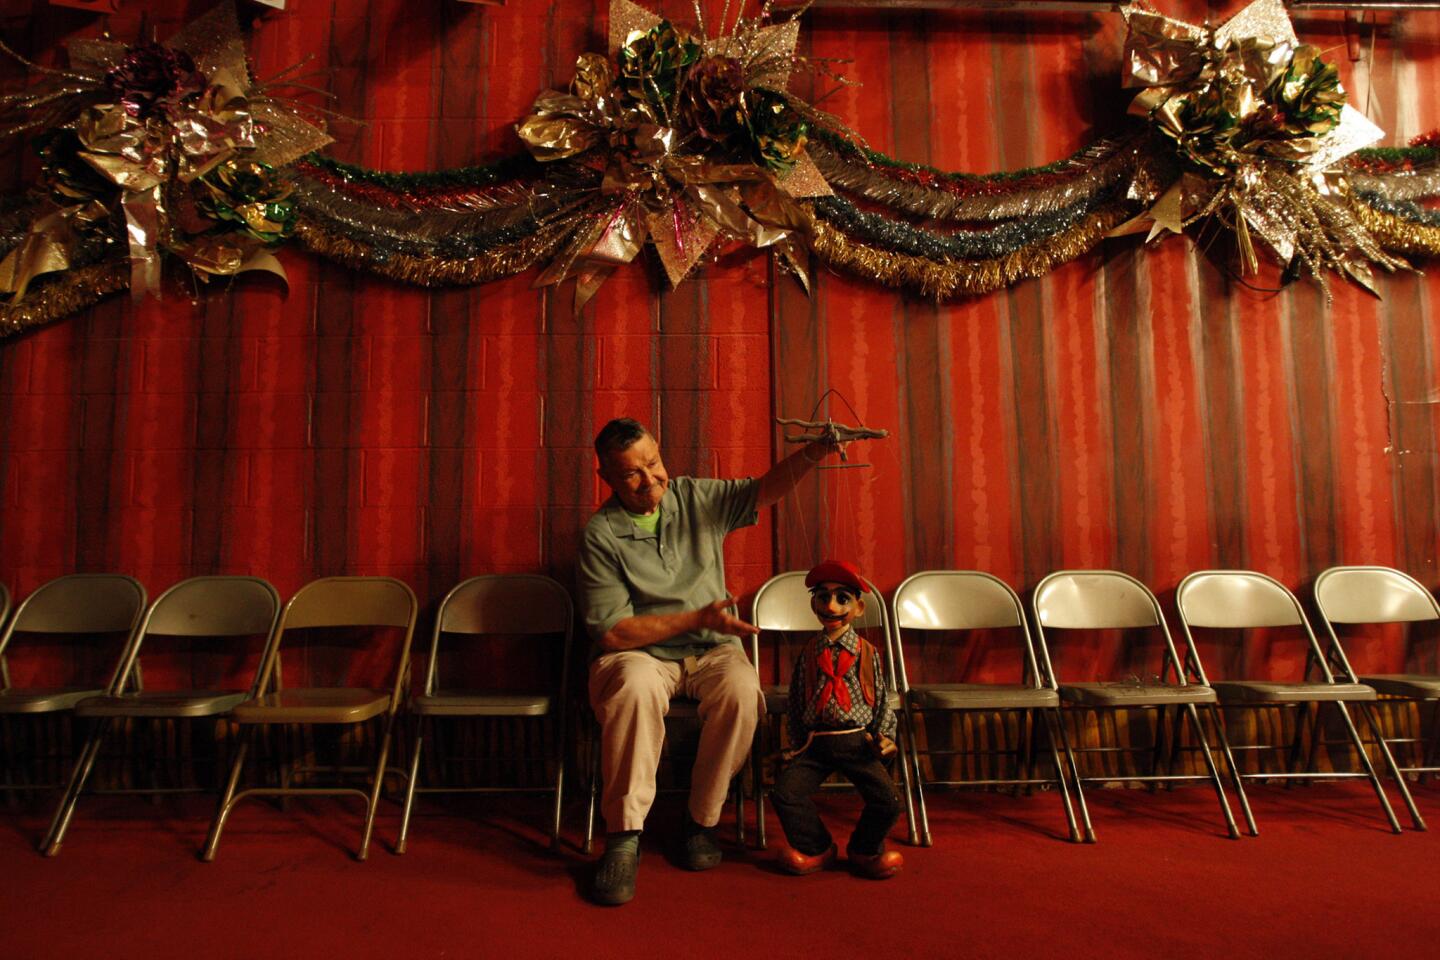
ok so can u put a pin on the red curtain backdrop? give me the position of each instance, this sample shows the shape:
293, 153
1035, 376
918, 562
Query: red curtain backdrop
1136, 409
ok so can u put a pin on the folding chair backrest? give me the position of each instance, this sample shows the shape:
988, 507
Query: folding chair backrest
1236, 599
1095, 600
80, 603
346, 602
216, 606
1240, 600
1372, 595
961, 600
351, 602
508, 604
956, 600
782, 605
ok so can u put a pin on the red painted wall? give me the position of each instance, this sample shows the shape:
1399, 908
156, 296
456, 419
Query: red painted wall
1134, 409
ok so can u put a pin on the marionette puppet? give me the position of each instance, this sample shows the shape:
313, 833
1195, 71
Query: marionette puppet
840, 720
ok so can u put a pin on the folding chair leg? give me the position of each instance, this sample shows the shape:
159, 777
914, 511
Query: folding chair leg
740, 813
1089, 828
410, 785
908, 756
1157, 749
1316, 735
1416, 821
559, 797
758, 779
84, 763
1027, 744
1177, 737
376, 788
227, 799
1235, 777
1052, 736
594, 796
1214, 773
1369, 768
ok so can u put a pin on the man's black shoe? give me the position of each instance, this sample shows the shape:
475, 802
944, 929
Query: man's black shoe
614, 881
699, 849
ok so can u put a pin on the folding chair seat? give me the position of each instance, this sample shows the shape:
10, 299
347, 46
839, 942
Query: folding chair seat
782, 606
1111, 600
72, 631
1242, 600
495, 605
204, 610
969, 600
1381, 595
333, 603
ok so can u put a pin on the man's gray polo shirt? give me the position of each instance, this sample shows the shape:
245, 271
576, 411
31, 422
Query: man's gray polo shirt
626, 571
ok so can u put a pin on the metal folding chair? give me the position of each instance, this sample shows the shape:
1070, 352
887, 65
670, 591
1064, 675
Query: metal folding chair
333, 602
782, 606
966, 600
1111, 600
81, 605
1375, 595
202, 608
1244, 600
496, 604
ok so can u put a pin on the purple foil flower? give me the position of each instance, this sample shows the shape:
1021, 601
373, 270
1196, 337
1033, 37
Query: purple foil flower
153, 79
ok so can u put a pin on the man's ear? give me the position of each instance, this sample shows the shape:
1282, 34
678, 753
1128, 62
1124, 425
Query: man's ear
860, 606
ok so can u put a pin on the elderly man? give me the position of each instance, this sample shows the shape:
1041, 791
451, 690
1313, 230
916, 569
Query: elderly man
652, 583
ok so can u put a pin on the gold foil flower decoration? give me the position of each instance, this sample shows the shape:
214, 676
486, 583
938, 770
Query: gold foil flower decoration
150, 119
695, 141
1258, 120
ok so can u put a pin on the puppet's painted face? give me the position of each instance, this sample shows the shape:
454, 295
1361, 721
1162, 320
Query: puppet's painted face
637, 475
836, 605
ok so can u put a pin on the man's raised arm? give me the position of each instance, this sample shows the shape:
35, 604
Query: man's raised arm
783, 476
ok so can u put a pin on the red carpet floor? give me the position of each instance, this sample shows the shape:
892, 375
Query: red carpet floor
1325, 879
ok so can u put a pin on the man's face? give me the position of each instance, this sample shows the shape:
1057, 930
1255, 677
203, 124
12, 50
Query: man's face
637, 475
835, 605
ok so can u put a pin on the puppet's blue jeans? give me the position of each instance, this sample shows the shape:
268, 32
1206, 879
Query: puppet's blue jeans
851, 755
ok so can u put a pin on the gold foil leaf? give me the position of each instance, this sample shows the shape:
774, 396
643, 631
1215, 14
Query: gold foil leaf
805, 179
681, 237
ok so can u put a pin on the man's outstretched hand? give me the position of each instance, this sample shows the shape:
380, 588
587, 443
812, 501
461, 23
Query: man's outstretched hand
717, 616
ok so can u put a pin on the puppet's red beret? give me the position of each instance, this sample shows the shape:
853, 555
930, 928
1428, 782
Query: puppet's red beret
835, 571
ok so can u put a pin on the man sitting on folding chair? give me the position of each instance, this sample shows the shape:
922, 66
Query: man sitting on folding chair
652, 586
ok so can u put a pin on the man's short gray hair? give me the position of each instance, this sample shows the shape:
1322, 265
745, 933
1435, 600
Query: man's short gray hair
619, 435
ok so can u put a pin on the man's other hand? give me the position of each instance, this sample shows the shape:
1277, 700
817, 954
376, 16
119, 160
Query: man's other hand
717, 616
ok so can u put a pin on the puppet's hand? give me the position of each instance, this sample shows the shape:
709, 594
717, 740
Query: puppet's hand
883, 746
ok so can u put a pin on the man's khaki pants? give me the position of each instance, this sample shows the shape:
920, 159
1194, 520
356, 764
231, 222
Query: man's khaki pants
630, 692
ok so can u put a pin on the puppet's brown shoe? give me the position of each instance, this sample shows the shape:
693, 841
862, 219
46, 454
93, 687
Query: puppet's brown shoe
877, 866
793, 861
